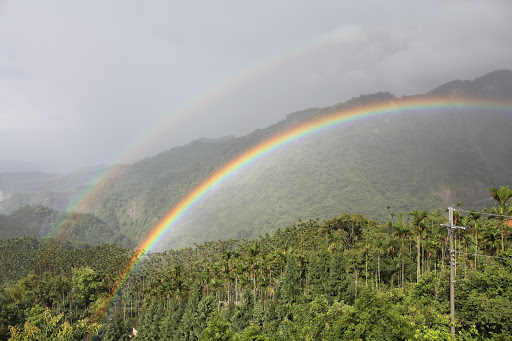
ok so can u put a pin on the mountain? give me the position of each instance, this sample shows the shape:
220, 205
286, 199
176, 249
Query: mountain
428, 160
39, 188
496, 84
39, 221
12, 166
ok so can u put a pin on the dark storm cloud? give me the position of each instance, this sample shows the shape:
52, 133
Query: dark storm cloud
81, 80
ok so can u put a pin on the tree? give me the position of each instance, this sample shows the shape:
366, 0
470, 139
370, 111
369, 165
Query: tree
417, 221
402, 231
290, 288
377, 240
318, 274
114, 330
484, 299
474, 216
43, 326
150, 320
189, 322
502, 196
371, 318
172, 319
217, 329
87, 286
253, 333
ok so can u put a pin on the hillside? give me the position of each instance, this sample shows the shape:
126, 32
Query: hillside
40, 222
38, 188
362, 167
431, 159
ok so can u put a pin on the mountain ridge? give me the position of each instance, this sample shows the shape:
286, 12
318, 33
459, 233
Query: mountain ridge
360, 168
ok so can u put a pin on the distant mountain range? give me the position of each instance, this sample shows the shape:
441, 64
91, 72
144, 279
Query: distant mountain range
13, 166
427, 160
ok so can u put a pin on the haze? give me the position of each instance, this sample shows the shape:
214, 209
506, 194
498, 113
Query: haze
84, 83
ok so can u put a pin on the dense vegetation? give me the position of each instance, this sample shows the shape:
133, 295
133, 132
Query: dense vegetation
41, 221
425, 158
346, 277
342, 278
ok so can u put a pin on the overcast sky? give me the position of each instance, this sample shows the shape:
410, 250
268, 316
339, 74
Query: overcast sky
88, 82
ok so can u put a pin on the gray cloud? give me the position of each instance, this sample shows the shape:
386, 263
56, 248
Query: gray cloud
81, 80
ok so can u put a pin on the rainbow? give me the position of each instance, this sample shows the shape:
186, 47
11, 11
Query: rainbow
302, 130
85, 199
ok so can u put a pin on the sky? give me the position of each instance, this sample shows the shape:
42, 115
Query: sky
92, 82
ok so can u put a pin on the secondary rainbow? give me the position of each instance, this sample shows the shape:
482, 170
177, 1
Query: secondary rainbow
85, 199
285, 137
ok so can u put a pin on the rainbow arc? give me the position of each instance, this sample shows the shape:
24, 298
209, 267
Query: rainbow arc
405, 106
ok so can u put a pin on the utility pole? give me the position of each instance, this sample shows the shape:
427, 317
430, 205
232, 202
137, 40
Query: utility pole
451, 231
452, 271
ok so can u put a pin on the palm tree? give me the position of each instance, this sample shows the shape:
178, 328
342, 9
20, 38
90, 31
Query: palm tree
473, 216
502, 196
418, 219
402, 230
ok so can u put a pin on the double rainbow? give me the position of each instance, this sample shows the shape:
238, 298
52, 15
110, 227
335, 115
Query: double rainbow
85, 199
408, 105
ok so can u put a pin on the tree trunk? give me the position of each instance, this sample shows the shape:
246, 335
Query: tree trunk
465, 264
357, 275
442, 257
366, 268
418, 258
476, 243
403, 265
378, 271
254, 290
502, 237
236, 290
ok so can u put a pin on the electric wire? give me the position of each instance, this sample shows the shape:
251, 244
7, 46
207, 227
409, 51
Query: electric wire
481, 255
483, 213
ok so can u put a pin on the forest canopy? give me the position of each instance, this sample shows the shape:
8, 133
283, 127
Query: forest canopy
337, 279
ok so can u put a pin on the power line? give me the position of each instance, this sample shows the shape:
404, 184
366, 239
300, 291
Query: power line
480, 255
484, 213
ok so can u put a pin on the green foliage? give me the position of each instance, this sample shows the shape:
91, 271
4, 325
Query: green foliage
318, 275
341, 278
172, 320
290, 290
242, 316
17, 257
114, 330
33, 221
253, 333
43, 326
372, 318
87, 286
217, 329
502, 197
150, 320
190, 328
485, 299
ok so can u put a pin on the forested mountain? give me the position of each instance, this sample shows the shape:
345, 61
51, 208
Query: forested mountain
38, 188
428, 159
343, 276
40, 222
